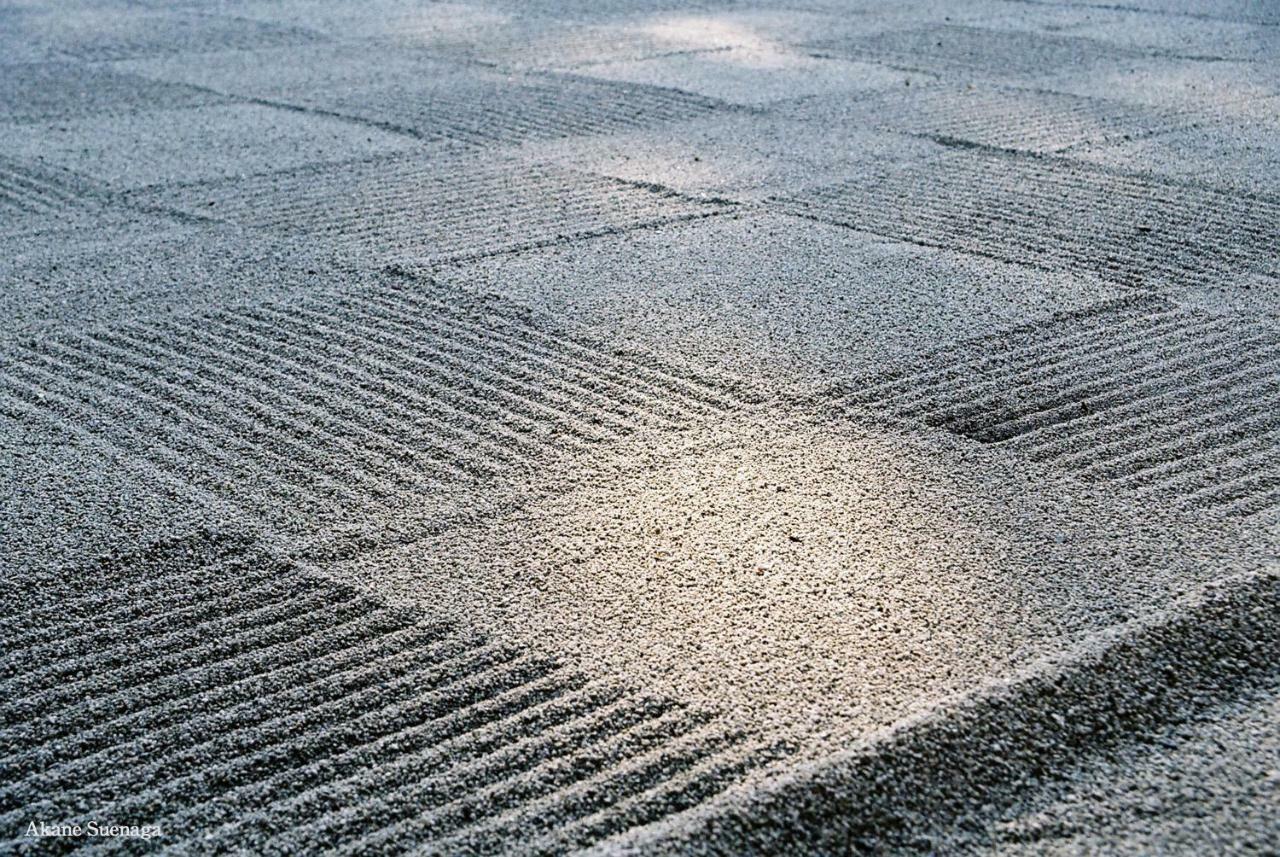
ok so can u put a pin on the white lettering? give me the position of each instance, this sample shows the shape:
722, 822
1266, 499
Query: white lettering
37, 829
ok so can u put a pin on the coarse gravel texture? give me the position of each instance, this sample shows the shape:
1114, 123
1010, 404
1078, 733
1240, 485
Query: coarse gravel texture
640, 427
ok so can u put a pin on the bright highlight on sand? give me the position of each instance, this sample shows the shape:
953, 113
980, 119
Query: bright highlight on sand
628, 428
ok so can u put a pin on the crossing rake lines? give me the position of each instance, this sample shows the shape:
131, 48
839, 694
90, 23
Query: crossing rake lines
220, 691
1173, 404
114, 36
1021, 119
545, 106
486, 108
1061, 216
343, 402
961, 51
29, 201
404, 209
